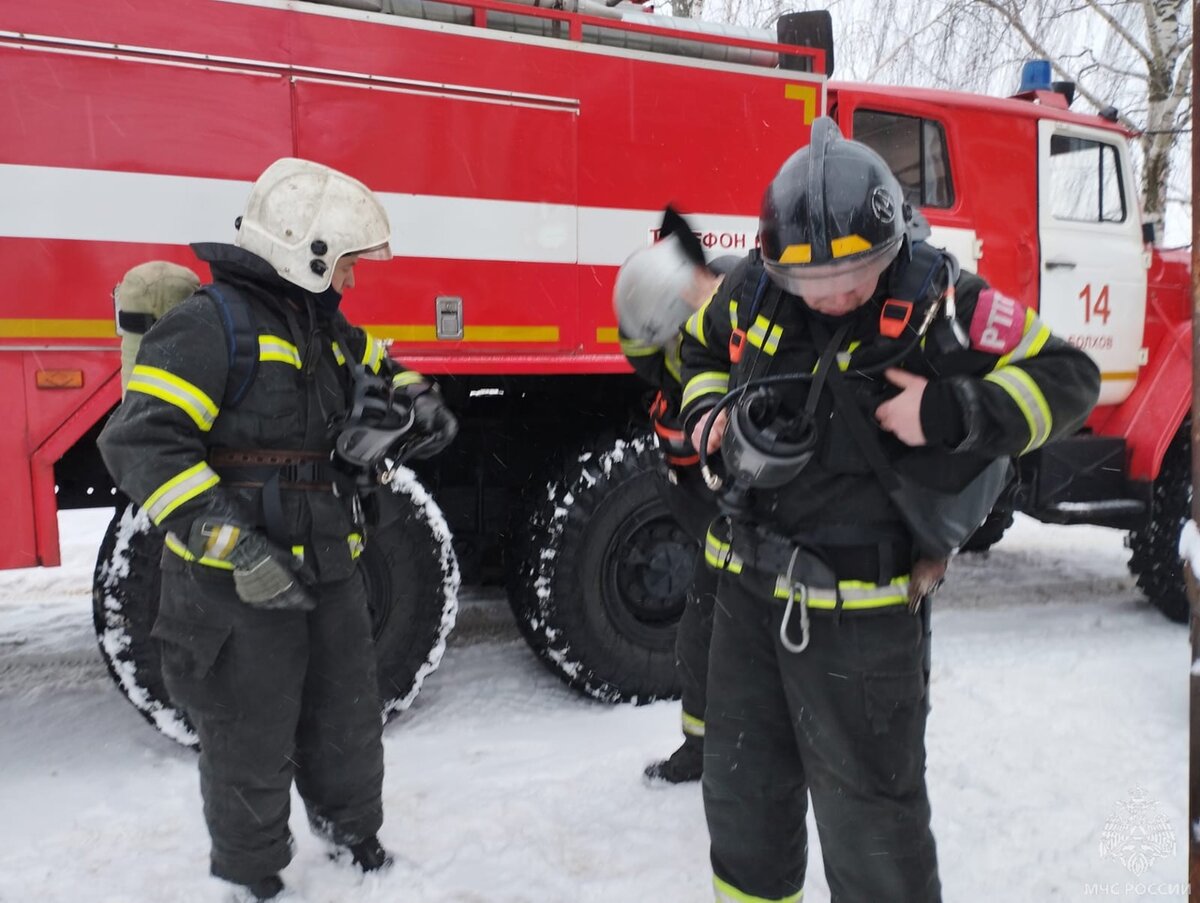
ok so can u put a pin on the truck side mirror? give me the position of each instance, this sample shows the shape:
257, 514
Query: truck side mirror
807, 29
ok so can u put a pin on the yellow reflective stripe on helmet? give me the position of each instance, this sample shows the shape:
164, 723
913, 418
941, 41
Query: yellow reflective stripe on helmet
179, 489
179, 392
712, 382
847, 245
758, 336
727, 893
176, 545
1034, 337
373, 353
407, 378
856, 594
720, 554
796, 254
1029, 401
275, 348
634, 348
693, 726
355, 542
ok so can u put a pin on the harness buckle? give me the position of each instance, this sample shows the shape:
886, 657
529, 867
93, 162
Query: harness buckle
893, 317
737, 344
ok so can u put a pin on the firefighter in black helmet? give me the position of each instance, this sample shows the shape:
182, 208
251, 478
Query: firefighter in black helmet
865, 396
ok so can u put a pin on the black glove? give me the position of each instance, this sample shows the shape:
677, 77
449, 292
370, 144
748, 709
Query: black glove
434, 423
265, 577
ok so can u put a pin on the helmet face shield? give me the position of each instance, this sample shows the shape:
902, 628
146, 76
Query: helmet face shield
835, 278
380, 252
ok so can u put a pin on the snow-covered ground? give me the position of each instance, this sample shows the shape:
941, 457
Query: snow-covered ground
1059, 729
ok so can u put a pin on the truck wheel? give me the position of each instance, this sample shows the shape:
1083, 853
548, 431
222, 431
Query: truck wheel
1155, 561
601, 584
990, 531
412, 588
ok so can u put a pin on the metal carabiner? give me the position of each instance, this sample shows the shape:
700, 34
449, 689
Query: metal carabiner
787, 612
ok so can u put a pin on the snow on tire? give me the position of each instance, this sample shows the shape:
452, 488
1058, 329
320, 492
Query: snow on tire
1155, 559
412, 581
124, 605
601, 582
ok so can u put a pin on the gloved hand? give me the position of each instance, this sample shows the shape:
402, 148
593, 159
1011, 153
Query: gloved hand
264, 576
434, 423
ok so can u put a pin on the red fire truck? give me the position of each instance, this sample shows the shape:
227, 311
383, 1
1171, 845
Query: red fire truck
522, 154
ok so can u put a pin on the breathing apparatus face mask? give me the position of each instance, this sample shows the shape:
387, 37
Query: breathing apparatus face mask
376, 425
765, 446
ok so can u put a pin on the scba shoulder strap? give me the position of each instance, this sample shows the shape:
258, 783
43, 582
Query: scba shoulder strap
241, 341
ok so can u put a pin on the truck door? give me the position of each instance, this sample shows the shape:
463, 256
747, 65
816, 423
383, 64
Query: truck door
1093, 260
486, 227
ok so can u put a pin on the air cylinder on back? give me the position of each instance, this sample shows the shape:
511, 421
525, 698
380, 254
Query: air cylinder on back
143, 296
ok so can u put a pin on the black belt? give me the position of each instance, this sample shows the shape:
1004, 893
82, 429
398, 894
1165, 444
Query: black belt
310, 471
869, 553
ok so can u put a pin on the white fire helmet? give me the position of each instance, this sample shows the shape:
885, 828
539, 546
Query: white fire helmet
652, 291
302, 217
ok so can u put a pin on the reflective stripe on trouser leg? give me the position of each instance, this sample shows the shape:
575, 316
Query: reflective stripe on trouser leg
858, 701
339, 741
754, 782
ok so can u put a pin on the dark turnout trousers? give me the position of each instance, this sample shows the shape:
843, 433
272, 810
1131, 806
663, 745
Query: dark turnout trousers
693, 507
691, 646
275, 696
844, 721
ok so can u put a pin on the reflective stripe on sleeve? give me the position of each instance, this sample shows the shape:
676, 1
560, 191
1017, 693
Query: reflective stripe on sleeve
175, 391
695, 323
179, 489
720, 555
355, 542
221, 540
373, 353
634, 348
712, 382
176, 545
671, 359
1036, 335
407, 378
1029, 401
274, 348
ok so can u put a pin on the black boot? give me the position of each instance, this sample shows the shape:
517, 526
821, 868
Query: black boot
369, 855
263, 889
685, 764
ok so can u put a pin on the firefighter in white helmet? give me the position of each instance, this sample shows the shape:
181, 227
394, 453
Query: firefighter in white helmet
656, 290
251, 433
870, 395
